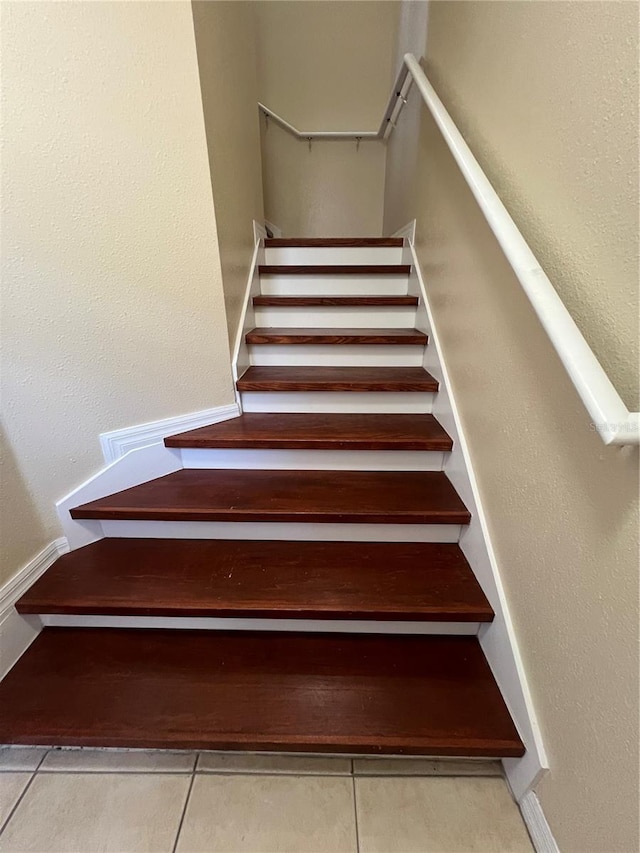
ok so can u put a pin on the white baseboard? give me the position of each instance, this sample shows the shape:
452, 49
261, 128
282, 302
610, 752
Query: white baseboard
18, 632
408, 232
277, 232
498, 640
536, 822
120, 441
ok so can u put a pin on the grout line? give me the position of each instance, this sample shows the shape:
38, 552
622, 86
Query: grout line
271, 773
22, 795
116, 772
355, 813
184, 811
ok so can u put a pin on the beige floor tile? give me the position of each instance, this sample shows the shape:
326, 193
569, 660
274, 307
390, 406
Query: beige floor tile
269, 814
446, 815
11, 786
86, 813
126, 761
212, 762
20, 757
425, 767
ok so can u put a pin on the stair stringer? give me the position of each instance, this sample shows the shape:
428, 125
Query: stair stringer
498, 639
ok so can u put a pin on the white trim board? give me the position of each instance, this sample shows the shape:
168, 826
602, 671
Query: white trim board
118, 442
233, 623
498, 640
18, 632
536, 823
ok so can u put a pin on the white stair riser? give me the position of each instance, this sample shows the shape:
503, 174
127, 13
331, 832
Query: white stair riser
334, 255
301, 531
371, 402
313, 460
334, 285
339, 626
325, 317
336, 355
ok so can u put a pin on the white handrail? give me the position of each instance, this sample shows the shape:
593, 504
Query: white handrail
609, 415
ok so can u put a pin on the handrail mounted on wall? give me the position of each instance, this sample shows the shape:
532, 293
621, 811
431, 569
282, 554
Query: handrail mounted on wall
609, 415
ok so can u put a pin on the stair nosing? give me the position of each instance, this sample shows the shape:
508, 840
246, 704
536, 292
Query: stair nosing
309, 431
333, 242
335, 301
347, 380
336, 337
334, 269
342, 581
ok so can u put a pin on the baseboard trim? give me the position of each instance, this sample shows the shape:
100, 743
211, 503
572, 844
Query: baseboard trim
536, 822
18, 632
498, 640
117, 443
16, 586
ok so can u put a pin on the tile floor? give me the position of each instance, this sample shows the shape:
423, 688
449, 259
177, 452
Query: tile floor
183, 802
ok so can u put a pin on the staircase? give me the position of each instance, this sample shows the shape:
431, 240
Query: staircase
298, 585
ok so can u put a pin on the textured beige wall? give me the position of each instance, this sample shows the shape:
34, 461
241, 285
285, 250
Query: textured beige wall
113, 312
547, 96
226, 43
325, 66
331, 190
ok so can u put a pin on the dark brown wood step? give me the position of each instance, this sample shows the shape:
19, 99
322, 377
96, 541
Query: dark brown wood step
298, 692
367, 497
334, 269
333, 242
356, 379
335, 301
270, 579
339, 337
319, 431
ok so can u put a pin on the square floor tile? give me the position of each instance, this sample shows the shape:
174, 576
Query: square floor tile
11, 786
425, 767
269, 814
216, 762
438, 815
125, 761
87, 813
20, 757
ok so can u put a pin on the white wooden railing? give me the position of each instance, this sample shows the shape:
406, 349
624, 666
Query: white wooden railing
609, 415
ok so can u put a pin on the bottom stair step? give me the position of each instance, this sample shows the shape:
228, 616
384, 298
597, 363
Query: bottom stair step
296, 692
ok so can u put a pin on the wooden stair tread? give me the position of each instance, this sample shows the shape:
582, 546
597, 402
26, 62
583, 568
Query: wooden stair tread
357, 379
269, 579
319, 431
282, 335
334, 269
263, 691
332, 242
335, 301
383, 497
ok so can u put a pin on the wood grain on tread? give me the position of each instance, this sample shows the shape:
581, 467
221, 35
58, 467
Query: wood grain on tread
334, 269
262, 691
339, 337
270, 579
332, 242
357, 379
319, 431
335, 301
368, 497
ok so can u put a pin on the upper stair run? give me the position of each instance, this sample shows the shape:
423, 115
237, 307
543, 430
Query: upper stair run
315, 537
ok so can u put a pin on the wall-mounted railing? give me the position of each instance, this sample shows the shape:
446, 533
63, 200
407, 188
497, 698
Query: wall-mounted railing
609, 415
